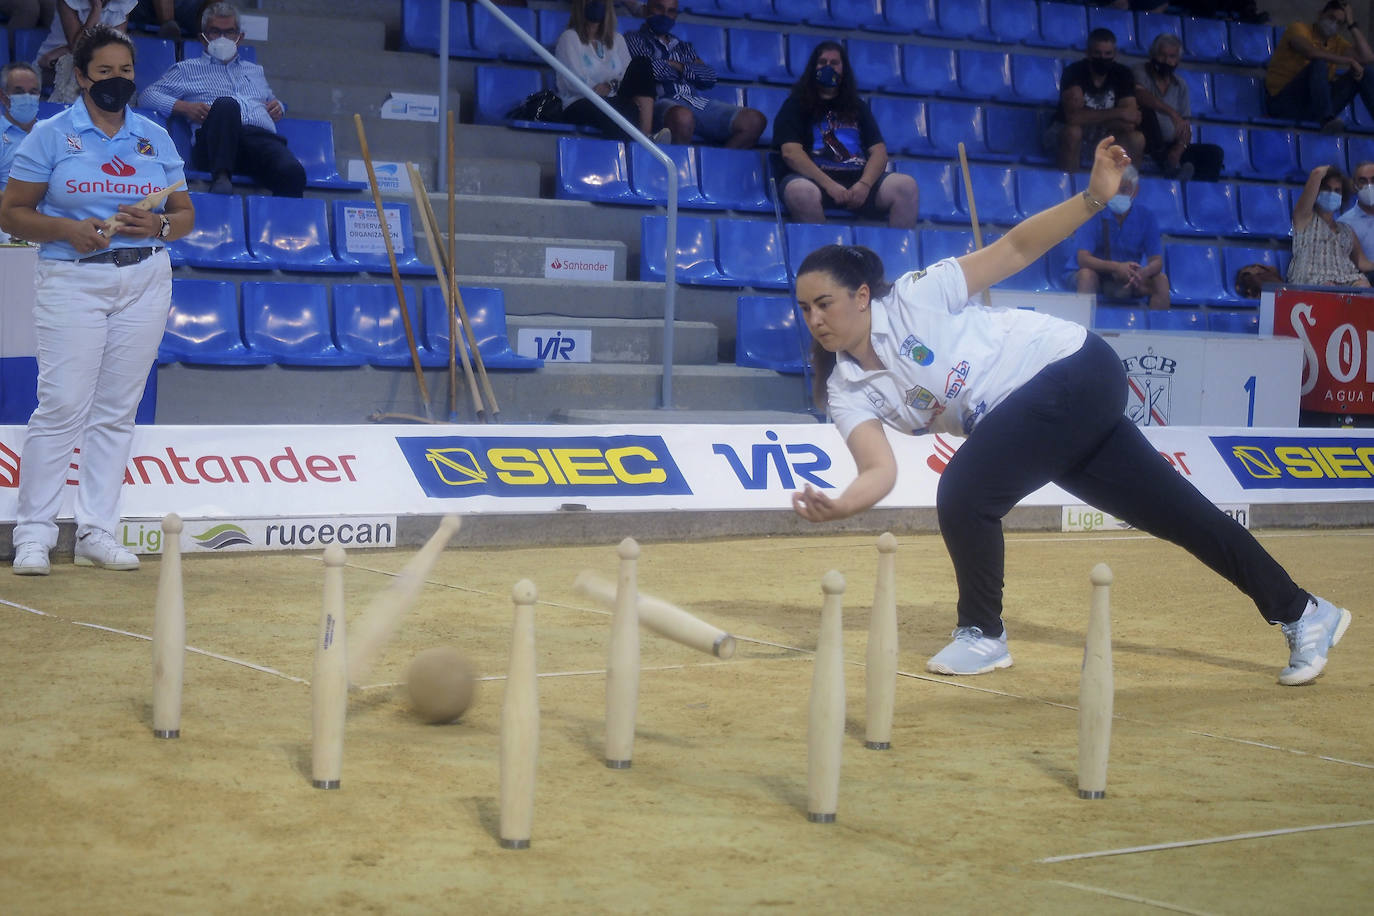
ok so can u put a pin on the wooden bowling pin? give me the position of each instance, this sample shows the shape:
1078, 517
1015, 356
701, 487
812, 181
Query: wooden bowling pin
825, 735
881, 672
169, 634
663, 618
1095, 691
622, 665
519, 725
329, 686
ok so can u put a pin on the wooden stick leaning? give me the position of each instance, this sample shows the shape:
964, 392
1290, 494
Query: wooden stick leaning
152, 201
395, 272
452, 285
972, 211
489, 395
417, 185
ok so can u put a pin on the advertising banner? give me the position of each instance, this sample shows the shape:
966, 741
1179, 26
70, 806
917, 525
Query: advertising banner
1336, 330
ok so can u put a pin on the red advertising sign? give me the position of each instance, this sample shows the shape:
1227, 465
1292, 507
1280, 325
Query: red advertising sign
1337, 333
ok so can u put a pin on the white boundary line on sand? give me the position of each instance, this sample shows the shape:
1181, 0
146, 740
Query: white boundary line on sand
224, 658
1208, 841
1144, 901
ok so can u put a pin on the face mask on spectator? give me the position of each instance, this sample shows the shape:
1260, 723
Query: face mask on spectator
1164, 69
1119, 204
112, 94
223, 49
660, 25
24, 108
827, 76
1330, 201
1099, 65
595, 12
1366, 192
1328, 26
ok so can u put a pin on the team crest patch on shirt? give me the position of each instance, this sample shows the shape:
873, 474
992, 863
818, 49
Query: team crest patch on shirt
876, 399
954, 382
916, 351
74, 143
922, 399
145, 146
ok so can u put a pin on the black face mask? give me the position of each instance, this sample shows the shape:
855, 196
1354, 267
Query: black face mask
1099, 66
1163, 69
112, 94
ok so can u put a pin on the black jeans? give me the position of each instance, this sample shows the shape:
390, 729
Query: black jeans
225, 144
1311, 96
1207, 158
638, 81
1066, 426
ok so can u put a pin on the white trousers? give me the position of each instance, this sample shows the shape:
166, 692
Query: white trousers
98, 327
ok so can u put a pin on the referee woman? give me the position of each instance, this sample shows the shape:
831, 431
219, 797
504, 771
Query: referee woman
1040, 401
102, 296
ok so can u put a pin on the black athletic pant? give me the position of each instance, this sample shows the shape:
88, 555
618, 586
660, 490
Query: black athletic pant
1066, 426
637, 82
225, 144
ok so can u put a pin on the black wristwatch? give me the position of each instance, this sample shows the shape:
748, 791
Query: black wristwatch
166, 228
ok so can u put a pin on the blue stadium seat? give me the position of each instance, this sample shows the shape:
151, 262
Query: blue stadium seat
767, 100
217, 242
1204, 40
1148, 26
708, 40
493, 39
292, 322
1358, 148
740, 9
291, 234
1234, 141
936, 180
1056, 265
1164, 198
552, 23
155, 56
734, 179
1031, 279
770, 335
796, 12
928, 70
1265, 210
724, 92
1274, 155
1039, 189
1211, 208
963, 19
696, 252
1035, 78
26, 43
899, 248
876, 64
1318, 149
312, 142
1225, 321
952, 123
799, 48
1014, 134
938, 244
909, 16
1236, 97
420, 28
649, 179
203, 326
499, 89
903, 123
19, 388
358, 241
1120, 22
596, 170
985, 75
859, 14
179, 129
1062, 26
486, 311
804, 238
1118, 318
1175, 319
994, 194
367, 319
1199, 92
758, 54
749, 251
1013, 21
1195, 275
1250, 45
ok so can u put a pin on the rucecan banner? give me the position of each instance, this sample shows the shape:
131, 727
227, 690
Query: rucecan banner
1337, 334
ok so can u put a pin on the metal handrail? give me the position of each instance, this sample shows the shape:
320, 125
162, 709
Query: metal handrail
586, 91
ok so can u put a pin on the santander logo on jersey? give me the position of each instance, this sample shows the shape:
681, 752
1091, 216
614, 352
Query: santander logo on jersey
118, 168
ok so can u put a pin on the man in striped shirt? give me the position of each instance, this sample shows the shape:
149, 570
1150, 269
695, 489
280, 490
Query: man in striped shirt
232, 109
679, 73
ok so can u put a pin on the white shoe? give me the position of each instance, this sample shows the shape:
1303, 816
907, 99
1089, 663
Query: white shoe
971, 653
98, 548
31, 559
1310, 638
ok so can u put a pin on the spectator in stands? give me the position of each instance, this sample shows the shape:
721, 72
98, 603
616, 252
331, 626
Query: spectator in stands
102, 290
1251, 279
1325, 252
232, 109
1360, 217
1165, 106
606, 66
833, 149
1096, 99
161, 13
19, 90
679, 73
55, 53
1314, 72
28, 14
1119, 252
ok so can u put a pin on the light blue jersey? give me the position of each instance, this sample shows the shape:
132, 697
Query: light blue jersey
89, 174
10, 138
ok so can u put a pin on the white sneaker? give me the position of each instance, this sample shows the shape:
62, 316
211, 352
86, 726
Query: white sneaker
1310, 638
31, 559
971, 653
98, 548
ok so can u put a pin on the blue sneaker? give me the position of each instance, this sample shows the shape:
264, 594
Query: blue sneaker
1310, 638
971, 653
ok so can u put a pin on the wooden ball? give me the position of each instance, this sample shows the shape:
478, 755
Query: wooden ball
440, 682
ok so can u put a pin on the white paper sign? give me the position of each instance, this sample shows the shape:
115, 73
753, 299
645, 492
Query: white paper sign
391, 176
363, 233
411, 106
555, 344
579, 264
